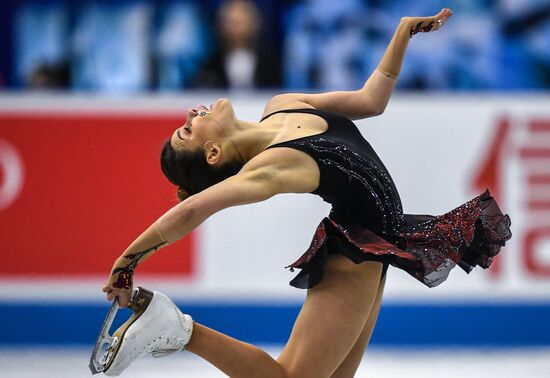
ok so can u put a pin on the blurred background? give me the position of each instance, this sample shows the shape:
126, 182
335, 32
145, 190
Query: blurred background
173, 45
90, 90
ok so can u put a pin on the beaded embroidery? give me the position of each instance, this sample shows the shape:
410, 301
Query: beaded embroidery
373, 179
126, 273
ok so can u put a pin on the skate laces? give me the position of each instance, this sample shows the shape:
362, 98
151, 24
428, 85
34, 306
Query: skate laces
165, 345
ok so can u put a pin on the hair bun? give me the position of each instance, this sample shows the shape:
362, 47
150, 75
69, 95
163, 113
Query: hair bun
181, 194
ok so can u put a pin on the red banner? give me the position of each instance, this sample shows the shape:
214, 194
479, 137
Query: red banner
75, 190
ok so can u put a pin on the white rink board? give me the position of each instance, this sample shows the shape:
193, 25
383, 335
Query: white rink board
432, 145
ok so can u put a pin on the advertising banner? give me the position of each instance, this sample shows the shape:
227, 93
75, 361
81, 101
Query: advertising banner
76, 189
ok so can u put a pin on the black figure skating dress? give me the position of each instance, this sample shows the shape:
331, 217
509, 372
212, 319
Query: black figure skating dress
367, 221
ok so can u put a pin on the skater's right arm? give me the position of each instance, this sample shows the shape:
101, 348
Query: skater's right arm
250, 187
259, 180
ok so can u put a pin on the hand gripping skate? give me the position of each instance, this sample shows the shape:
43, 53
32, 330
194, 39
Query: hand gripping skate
156, 326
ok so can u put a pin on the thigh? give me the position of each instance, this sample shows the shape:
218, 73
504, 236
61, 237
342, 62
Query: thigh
332, 318
353, 359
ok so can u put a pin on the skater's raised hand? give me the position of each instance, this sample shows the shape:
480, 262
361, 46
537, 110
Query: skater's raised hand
427, 24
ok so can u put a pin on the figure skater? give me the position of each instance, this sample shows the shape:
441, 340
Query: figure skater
305, 143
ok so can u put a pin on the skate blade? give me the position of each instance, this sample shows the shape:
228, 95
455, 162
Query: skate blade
102, 356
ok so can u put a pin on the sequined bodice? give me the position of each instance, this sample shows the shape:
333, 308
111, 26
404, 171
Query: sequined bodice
352, 177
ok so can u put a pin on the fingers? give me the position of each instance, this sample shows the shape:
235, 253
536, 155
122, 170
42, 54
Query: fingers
123, 300
428, 24
445, 13
122, 296
442, 17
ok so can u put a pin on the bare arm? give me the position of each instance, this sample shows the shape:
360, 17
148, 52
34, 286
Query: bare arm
371, 99
245, 188
249, 187
258, 181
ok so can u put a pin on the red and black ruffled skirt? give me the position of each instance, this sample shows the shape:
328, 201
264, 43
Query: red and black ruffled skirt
427, 247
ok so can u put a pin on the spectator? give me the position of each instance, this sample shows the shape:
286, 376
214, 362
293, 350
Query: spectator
50, 76
240, 61
41, 45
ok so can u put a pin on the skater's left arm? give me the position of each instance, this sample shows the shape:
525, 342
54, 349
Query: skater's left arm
371, 99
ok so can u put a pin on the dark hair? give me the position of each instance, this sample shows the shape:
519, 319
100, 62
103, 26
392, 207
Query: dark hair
190, 171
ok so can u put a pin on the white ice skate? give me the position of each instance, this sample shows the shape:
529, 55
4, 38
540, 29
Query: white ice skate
157, 326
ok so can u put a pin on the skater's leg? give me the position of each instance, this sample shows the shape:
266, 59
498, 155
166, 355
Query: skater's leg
330, 322
332, 318
235, 358
353, 359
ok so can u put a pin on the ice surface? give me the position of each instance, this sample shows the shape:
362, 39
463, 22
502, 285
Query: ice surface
379, 363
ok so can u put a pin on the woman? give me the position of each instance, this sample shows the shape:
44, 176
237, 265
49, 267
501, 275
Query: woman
307, 144
239, 60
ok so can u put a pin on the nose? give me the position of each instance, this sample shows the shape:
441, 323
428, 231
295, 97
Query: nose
191, 113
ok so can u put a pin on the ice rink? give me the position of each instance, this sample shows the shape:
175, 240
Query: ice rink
386, 363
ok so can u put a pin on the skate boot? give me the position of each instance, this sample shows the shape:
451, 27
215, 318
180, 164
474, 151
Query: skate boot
157, 326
